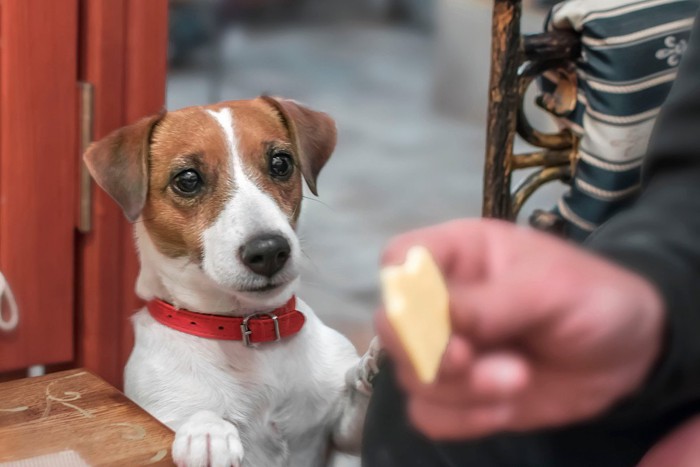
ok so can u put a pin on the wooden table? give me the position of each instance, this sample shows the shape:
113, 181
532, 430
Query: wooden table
77, 411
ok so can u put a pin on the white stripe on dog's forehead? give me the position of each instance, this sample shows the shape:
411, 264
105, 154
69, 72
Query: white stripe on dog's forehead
225, 120
250, 211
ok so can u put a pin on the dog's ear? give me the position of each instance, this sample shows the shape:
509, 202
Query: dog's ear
313, 135
119, 164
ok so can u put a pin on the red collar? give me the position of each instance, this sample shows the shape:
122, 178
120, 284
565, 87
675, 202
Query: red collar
259, 327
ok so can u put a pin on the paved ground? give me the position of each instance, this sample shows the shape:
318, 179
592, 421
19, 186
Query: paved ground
399, 163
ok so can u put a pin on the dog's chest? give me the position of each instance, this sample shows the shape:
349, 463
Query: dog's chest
281, 405
279, 386
283, 397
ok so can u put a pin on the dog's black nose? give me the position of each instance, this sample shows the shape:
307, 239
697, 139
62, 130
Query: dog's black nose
266, 254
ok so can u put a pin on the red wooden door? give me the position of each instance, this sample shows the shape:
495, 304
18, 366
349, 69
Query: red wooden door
123, 55
100, 297
38, 155
74, 290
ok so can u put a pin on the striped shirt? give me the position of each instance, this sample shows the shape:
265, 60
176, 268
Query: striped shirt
629, 60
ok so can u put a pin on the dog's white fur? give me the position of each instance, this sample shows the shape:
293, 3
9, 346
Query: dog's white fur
277, 404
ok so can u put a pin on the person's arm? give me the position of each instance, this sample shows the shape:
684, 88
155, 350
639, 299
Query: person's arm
659, 238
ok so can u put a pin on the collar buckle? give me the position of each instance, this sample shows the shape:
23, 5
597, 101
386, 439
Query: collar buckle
246, 332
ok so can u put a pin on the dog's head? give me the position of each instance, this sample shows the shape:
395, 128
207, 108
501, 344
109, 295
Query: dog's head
220, 186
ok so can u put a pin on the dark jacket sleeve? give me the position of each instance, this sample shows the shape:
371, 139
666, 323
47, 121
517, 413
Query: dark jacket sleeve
659, 238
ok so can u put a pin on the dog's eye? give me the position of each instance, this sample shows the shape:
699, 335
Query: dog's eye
281, 165
187, 183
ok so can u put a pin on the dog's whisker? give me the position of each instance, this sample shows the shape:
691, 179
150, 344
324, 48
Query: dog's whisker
319, 202
310, 264
308, 259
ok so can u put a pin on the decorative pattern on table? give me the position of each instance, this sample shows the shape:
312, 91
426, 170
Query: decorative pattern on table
77, 410
20, 408
70, 396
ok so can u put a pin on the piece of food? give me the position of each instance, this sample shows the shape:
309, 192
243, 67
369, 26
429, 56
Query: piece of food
417, 305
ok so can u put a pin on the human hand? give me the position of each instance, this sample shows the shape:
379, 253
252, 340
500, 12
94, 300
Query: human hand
544, 334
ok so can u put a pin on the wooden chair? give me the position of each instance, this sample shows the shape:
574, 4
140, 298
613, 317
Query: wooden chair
516, 61
604, 72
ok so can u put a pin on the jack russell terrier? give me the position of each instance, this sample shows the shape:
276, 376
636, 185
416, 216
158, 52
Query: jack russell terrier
225, 354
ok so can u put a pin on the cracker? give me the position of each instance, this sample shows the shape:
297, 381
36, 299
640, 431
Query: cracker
417, 306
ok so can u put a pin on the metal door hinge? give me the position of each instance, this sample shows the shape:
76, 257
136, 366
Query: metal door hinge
86, 92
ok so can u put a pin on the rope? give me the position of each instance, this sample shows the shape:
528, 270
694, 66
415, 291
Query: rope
9, 320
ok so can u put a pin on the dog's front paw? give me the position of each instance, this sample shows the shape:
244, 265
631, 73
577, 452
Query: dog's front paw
207, 440
363, 374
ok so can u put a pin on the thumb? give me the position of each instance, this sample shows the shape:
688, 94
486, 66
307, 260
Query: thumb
458, 247
493, 312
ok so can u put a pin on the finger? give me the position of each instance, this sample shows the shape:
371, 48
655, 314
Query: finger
456, 360
462, 312
454, 368
458, 247
490, 379
493, 312
460, 379
498, 375
445, 422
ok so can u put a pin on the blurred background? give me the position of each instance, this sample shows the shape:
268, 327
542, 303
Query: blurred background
405, 80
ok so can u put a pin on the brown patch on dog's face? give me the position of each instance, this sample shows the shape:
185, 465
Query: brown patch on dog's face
313, 135
175, 171
192, 140
262, 140
186, 140
118, 164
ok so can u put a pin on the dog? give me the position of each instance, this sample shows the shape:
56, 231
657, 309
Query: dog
225, 354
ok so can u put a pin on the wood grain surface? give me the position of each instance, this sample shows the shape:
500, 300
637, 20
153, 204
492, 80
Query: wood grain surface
75, 410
